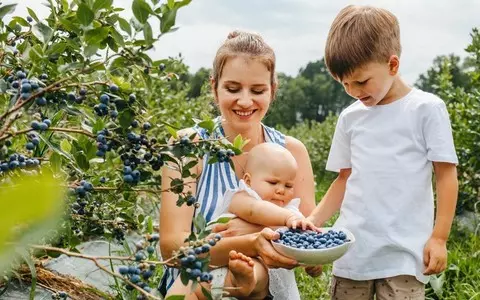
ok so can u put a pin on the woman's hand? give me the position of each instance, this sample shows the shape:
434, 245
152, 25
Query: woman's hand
236, 227
268, 254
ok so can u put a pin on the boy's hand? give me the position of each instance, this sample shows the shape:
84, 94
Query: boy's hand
314, 271
294, 221
435, 256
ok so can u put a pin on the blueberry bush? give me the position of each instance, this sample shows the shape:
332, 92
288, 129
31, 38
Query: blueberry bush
81, 98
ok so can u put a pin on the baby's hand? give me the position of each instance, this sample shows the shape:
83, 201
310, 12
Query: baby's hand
294, 221
314, 271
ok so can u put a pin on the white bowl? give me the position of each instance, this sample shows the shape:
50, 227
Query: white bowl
316, 256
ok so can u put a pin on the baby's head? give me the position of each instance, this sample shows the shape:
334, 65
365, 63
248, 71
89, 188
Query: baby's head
270, 171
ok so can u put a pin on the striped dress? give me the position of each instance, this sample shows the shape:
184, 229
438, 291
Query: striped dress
213, 182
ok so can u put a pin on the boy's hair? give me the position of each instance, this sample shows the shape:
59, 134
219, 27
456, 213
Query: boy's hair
360, 35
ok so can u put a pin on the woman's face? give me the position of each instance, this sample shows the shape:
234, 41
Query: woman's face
244, 92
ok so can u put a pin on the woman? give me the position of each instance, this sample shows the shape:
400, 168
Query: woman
244, 85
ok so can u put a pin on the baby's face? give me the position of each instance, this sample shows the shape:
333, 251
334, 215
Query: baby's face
274, 183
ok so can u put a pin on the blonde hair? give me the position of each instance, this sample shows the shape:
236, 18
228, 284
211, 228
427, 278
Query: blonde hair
360, 35
248, 44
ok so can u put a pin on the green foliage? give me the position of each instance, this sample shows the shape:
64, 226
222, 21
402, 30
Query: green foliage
310, 96
30, 206
317, 138
459, 86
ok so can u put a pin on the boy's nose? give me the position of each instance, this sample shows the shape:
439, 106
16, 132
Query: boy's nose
280, 190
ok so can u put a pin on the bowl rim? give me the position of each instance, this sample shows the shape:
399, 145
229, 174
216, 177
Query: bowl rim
348, 232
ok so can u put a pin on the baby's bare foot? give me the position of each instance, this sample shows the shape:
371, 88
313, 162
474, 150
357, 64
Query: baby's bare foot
242, 275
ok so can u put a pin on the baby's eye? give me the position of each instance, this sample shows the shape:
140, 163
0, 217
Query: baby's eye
272, 182
289, 186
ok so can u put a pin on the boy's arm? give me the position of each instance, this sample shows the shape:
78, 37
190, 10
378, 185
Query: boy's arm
332, 201
446, 183
258, 212
435, 251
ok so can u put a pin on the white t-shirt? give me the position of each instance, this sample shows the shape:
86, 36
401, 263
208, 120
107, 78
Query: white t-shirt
388, 203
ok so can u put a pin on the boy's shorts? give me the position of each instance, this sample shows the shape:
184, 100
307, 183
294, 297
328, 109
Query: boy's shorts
402, 287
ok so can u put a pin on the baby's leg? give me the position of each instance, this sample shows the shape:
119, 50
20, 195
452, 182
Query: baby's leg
247, 276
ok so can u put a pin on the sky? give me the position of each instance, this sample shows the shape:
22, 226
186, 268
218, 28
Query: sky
297, 29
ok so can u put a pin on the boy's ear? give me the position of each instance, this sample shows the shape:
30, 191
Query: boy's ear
393, 64
247, 178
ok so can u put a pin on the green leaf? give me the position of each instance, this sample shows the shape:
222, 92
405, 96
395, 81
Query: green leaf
148, 33
95, 36
85, 15
177, 297
57, 48
32, 14
21, 21
125, 118
200, 222
65, 146
31, 206
7, 9
33, 271
141, 10
208, 125
238, 141
102, 4
167, 20
42, 32
117, 37
90, 50
56, 161
82, 161
125, 26
36, 53
206, 293
3, 86
172, 131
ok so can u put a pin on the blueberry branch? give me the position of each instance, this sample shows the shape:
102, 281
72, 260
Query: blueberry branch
95, 261
58, 129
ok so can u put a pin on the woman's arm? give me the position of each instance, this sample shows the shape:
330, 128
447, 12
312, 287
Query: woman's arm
175, 222
304, 183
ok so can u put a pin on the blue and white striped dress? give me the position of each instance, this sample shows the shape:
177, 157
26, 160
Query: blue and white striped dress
213, 182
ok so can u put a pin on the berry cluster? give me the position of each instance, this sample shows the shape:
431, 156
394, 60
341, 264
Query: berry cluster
194, 267
312, 240
18, 161
26, 87
102, 144
140, 271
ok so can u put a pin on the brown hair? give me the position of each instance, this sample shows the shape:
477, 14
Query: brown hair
248, 44
359, 35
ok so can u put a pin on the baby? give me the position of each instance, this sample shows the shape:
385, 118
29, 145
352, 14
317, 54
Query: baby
265, 197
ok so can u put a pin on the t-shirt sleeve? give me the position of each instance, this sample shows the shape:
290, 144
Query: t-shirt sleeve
438, 136
339, 156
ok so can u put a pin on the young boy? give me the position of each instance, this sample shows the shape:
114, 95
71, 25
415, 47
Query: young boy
384, 147
264, 197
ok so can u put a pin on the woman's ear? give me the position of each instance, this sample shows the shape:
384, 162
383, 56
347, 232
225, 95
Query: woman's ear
393, 65
213, 83
247, 178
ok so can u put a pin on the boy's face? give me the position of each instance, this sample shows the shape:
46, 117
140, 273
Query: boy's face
274, 183
372, 83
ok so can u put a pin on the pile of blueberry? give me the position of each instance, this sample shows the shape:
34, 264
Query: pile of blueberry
300, 239
59, 295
